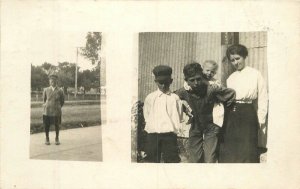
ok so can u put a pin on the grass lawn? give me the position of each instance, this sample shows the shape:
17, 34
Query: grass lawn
73, 116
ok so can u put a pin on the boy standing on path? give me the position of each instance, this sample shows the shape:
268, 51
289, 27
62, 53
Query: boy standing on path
201, 96
53, 98
163, 114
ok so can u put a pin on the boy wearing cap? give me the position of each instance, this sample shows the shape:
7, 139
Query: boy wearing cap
203, 139
53, 98
162, 112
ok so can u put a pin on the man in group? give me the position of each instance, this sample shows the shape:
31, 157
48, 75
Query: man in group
53, 98
201, 96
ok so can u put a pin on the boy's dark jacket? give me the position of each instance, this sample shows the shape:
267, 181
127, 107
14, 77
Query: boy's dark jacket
53, 101
202, 104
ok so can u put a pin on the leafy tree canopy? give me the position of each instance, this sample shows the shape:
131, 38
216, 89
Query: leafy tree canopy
66, 75
92, 47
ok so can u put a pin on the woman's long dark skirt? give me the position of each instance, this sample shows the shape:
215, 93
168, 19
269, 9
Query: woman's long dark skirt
239, 142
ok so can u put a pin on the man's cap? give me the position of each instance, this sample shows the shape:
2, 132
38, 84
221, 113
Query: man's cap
53, 76
162, 72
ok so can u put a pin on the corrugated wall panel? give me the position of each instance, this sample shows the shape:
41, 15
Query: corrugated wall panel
256, 42
173, 49
178, 49
209, 48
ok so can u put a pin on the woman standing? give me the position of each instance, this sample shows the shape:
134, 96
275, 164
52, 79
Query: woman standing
240, 134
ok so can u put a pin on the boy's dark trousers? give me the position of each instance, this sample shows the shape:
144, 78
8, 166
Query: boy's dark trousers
203, 135
203, 144
162, 143
47, 128
48, 121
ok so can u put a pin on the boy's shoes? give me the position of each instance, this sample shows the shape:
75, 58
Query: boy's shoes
47, 142
57, 141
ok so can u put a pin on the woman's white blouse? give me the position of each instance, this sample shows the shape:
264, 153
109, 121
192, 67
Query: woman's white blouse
250, 85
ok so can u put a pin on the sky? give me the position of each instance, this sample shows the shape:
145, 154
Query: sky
56, 46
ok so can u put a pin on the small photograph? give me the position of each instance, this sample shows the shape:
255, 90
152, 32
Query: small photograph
68, 96
202, 98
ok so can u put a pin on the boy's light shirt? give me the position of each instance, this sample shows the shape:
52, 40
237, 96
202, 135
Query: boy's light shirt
162, 112
53, 88
250, 85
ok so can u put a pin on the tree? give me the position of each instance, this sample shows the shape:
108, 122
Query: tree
39, 78
88, 79
48, 67
84, 80
92, 47
91, 51
66, 73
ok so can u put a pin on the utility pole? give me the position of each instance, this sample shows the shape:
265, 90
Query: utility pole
76, 72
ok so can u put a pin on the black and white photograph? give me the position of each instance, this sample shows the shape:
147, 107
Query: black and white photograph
202, 98
67, 96
149, 94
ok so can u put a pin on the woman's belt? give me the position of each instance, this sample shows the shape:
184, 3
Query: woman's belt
243, 101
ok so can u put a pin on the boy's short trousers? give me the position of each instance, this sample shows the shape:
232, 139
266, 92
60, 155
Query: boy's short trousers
51, 120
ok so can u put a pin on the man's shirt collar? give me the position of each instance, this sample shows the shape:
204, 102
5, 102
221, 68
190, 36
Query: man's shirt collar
159, 92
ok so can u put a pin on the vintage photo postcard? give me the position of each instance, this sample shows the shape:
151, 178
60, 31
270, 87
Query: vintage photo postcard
149, 94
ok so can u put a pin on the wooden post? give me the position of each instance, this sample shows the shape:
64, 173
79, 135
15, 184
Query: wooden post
76, 72
227, 39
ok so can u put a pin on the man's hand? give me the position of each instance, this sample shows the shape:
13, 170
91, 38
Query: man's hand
187, 108
262, 125
190, 120
214, 87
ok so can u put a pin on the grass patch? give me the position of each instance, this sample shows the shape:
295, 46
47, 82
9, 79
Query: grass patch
73, 116
70, 103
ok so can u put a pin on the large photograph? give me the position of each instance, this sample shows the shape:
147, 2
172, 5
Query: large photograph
67, 96
202, 98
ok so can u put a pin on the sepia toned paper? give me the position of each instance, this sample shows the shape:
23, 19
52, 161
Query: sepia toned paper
120, 22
